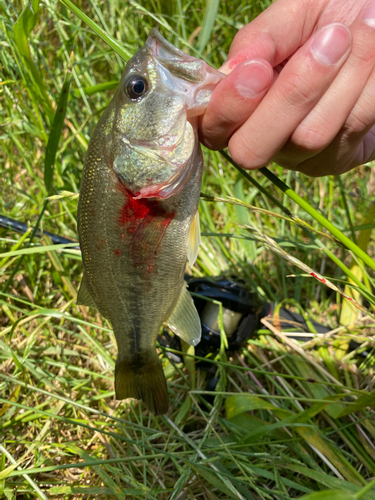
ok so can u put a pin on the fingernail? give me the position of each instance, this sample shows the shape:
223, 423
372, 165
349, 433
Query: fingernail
368, 13
331, 44
254, 78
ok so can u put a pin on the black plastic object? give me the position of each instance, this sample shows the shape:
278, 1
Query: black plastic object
243, 306
21, 227
235, 298
292, 319
242, 312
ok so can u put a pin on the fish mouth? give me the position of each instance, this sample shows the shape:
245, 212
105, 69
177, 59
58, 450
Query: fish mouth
175, 60
188, 76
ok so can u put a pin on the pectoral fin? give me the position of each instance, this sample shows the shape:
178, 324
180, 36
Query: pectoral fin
194, 240
150, 232
184, 321
84, 298
147, 238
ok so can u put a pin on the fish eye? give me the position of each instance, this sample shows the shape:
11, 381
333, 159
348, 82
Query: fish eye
136, 87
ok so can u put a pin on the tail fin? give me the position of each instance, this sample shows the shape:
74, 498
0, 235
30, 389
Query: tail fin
146, 382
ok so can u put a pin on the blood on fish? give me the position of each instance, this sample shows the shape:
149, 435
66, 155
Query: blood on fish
136, 216
150, 268
101, 243
135, 210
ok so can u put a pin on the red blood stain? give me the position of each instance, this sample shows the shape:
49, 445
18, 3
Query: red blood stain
117, 251
146, 220
101, 244
150, 268
135, 210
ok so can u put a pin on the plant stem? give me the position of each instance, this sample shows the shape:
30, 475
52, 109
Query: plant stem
257, 185
319, 218
364, 490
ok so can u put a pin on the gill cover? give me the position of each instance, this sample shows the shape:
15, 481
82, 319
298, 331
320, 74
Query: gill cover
160, 93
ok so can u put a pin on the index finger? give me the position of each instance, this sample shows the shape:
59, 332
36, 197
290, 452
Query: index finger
284, 27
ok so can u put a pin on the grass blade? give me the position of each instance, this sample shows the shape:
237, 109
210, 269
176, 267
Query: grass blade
57, 126
22, 252
101, 33
328, 495
38, 492
319, 218
207, 24
21, 30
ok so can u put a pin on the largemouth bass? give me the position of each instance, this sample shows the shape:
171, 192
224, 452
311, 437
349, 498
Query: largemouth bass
137, 211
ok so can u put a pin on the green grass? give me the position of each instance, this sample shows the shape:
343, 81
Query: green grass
288, 419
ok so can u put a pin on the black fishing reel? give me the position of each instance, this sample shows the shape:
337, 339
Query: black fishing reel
241, 315
241, 312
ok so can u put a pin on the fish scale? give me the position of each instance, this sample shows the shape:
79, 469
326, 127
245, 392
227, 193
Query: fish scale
137, 219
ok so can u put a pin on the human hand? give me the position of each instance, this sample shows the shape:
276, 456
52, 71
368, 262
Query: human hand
318, 115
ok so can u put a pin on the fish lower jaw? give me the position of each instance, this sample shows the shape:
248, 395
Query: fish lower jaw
151, 192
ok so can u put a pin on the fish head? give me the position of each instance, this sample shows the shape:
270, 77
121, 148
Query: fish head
153, 114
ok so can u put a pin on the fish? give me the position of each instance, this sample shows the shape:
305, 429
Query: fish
138, 222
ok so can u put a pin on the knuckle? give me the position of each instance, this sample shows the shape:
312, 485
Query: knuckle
246, 155
311, 138
242, 38
285, 161
214, 144
208, 129
297, 91
313, 167
356, 123
362, 52
211, 141
213, 134
239, 37
290, 156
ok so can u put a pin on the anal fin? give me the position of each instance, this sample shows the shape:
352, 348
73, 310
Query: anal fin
83, 297
184, 320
